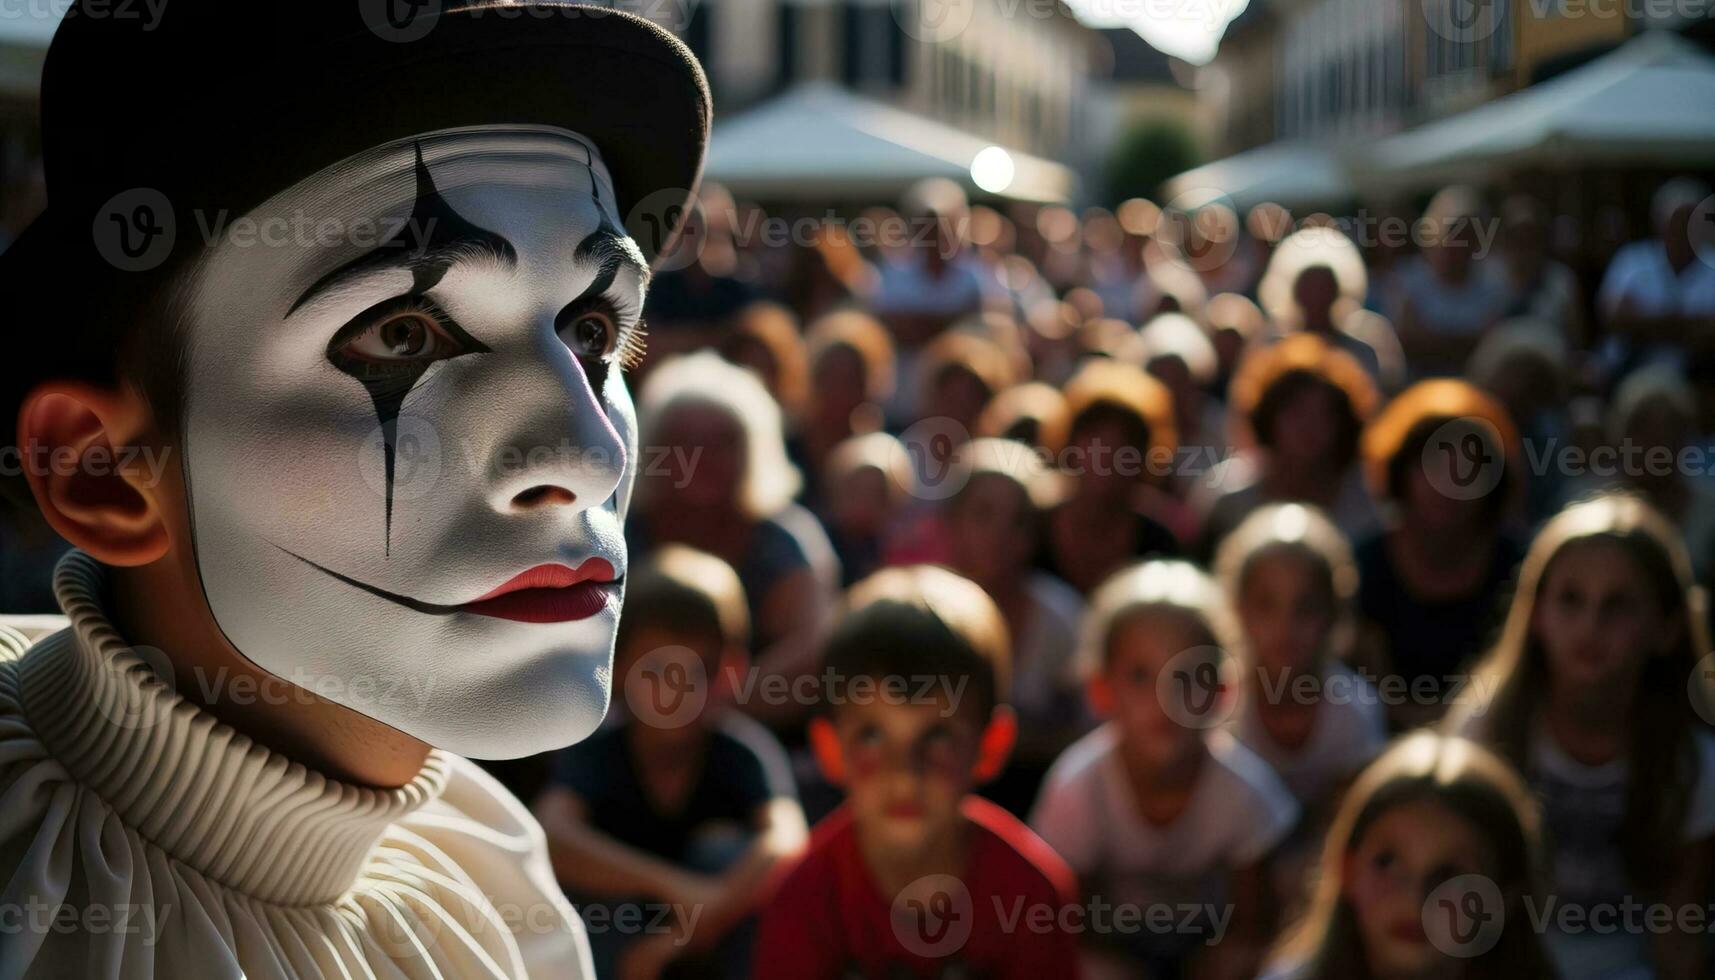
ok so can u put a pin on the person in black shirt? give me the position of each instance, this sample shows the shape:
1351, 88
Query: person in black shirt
1446, 458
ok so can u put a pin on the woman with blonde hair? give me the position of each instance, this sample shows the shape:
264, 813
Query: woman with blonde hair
1425, 873
715, 476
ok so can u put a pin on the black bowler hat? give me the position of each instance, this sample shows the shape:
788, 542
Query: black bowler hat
213, 106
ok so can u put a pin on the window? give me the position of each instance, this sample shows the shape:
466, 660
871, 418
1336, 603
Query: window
787, 38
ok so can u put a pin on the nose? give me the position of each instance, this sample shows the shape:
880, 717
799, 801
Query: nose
566, 453
543, 495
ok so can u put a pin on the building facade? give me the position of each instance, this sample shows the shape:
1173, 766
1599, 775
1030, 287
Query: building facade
1015, 71
1351, 69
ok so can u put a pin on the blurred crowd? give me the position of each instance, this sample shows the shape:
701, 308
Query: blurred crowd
1278, 569
1253, 500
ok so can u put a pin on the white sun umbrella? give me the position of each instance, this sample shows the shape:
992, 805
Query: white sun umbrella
818, 141
1650, 101
1294, 174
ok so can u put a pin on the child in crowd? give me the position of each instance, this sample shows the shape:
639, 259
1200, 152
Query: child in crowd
1425, 874
994, 524
869, 484
1598, 693
1290, 574
679, 806
914, 876
1119, 453
1447, 463
1159, 808
1301, 405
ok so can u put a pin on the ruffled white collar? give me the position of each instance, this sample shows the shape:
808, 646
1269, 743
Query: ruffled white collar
235, 811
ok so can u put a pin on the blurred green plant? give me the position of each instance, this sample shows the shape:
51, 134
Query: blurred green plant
1147, 153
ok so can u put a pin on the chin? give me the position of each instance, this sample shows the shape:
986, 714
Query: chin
482, 707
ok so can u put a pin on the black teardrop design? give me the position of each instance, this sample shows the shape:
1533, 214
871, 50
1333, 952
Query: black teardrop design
444, 232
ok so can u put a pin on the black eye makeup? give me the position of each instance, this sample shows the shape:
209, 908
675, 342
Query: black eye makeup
387, 349
602, 330
397, 339
607, 317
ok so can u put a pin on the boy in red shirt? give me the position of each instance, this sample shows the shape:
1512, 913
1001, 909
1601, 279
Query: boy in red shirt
914, 875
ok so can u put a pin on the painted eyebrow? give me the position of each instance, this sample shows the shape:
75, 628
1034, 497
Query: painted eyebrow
428, 244
438, 261
607, 247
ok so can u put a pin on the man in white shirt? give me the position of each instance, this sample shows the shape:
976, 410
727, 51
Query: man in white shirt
328, 311
1657, 298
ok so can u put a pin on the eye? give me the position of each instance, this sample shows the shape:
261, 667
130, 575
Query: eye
404, 335
591, 335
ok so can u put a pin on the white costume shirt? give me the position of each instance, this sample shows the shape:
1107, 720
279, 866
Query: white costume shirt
141, 837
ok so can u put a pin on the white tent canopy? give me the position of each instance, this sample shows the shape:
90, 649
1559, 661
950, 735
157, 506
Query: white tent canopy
820, 142
1653, 100
1287, 173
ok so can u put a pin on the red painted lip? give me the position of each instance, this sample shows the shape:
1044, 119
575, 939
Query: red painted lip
905, 811
550, 594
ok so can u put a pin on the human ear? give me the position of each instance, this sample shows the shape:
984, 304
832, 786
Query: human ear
78, 440
825, 743
996, 746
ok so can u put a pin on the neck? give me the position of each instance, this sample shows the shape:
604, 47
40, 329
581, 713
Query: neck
148, 606
942, 852
1314, 481
1177, 773
1589, 726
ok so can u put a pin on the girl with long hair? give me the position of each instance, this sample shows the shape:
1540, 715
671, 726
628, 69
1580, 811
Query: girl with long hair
1424, 874
1596, 692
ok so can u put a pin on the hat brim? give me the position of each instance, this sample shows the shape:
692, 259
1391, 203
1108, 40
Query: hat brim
628, 85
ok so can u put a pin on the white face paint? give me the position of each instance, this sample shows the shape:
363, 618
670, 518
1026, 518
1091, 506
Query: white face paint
462, 311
